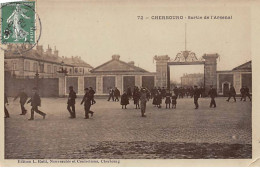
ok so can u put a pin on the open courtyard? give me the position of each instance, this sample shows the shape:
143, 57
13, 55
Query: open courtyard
222, 132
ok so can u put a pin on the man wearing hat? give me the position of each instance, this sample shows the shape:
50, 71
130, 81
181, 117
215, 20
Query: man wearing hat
196, 96
212, 94
71, 102
232, 93
143, 100
87, 103
23, 98
35, 102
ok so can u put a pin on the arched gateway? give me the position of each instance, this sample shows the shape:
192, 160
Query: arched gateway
164, 62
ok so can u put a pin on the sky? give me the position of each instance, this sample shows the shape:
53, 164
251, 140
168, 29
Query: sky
97, 30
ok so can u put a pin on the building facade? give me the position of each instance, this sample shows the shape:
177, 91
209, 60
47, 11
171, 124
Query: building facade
192, 79
238, 77
111, 74
46, 63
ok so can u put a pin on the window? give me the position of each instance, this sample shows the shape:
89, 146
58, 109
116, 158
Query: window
41, 68
80, 70
76, 70
27, 66
70, 70
49, 69
15, 66
35, 67
55, 69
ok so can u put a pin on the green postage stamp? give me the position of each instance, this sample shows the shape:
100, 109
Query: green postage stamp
18, 22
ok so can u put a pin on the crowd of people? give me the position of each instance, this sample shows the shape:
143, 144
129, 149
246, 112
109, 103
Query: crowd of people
140, 97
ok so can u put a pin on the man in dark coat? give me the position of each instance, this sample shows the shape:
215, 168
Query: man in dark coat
196, 96
35, 102
242, 92
87, 103
212, 94
71, 103
247, 93
232, 93
143, 100
6, 111
136, 97
117, 94
111, 94
92, 94
23, 98
124, 99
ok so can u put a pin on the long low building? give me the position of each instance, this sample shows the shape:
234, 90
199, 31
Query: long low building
111, 74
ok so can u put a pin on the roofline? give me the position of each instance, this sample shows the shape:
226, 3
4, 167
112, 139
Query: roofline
134, 67
242, 65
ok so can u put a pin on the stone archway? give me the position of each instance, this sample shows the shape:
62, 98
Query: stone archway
163, 71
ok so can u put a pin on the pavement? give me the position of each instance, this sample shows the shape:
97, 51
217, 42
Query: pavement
184, 132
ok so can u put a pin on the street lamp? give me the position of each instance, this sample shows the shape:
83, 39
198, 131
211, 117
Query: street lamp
37, 79
62, 70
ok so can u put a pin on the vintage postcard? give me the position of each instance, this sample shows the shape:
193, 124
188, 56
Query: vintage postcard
129, 83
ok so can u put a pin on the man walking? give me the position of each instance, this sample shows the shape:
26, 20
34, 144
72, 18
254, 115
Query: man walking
242, 92
212, 94
247, 93
35, 102
111, 95
87, 103
71, 103
232, 93
196, 96
92, 93
117, 94
23, 98
143, 101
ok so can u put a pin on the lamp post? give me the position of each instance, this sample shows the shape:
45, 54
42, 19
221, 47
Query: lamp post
37, 79
63, 73
62, 70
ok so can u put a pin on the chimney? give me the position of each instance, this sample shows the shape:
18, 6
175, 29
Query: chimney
39, 49
115, 57
49, 50
56, 52
132, 63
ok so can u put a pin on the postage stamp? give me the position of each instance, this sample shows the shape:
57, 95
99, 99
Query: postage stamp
18, 22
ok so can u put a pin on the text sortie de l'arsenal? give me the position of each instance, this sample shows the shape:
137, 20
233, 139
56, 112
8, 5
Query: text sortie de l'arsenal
191, 17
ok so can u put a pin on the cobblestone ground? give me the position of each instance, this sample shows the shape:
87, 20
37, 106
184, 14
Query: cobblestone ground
222, 132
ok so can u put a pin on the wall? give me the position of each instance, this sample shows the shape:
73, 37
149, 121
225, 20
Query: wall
48, 87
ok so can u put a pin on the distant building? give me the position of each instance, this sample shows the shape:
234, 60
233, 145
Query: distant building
46, 63
111, 74
192, 79
238, 77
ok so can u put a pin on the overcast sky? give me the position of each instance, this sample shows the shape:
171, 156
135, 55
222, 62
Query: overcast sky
97, 30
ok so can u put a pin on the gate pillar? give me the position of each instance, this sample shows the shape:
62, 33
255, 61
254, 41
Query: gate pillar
161, 70
210, 71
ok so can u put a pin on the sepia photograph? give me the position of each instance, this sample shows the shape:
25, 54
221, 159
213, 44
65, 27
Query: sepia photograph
99, 83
